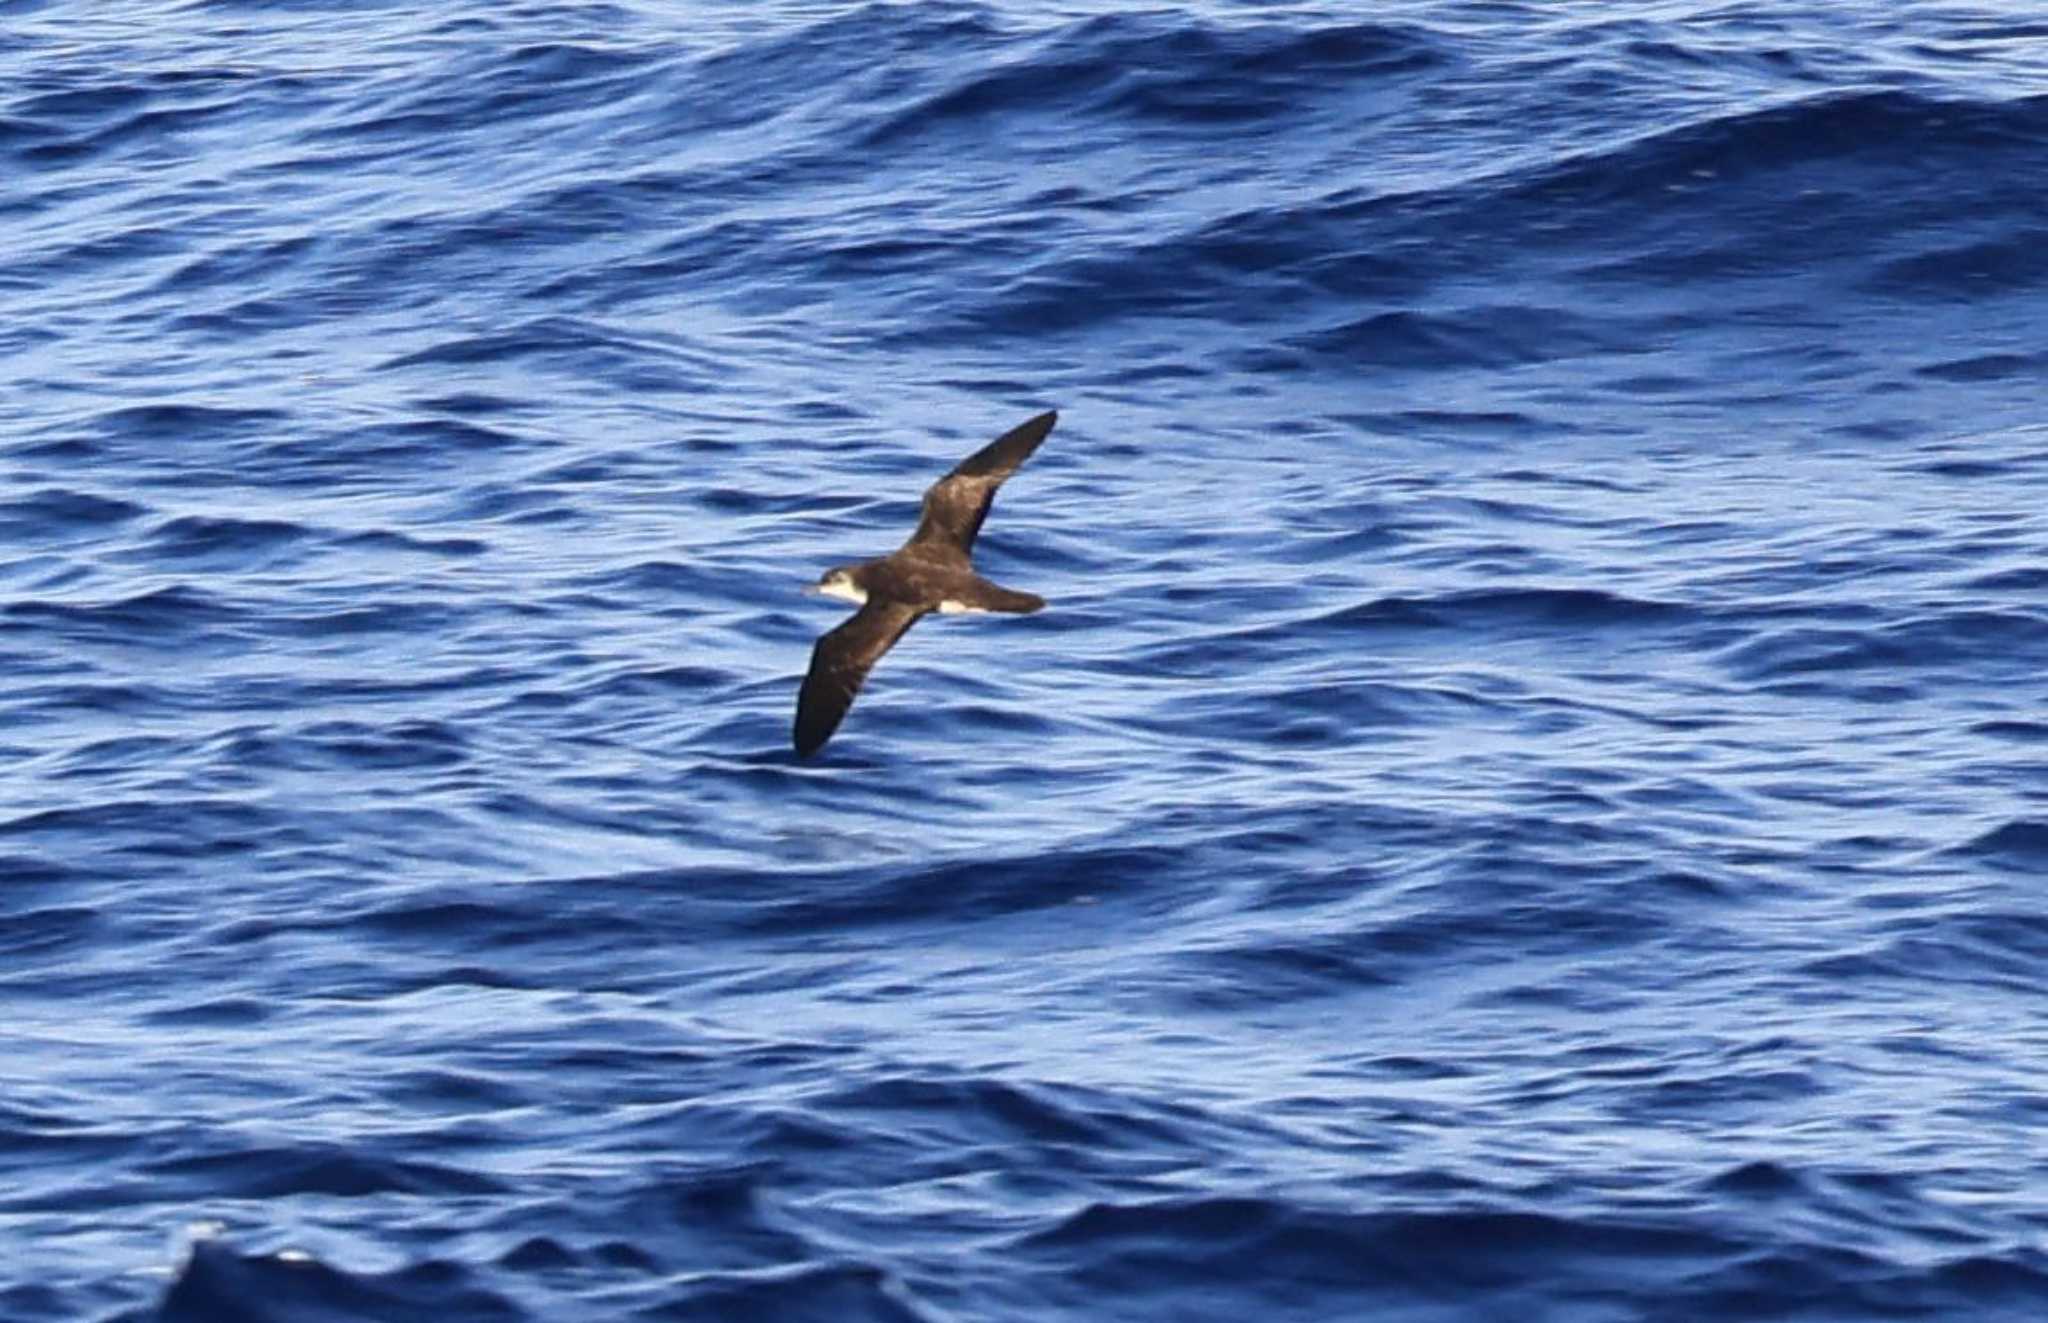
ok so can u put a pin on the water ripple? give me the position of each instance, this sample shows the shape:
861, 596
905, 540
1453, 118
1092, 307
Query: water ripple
1526, 796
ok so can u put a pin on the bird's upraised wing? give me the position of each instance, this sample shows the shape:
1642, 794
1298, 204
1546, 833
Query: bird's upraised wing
956, 505
839, 664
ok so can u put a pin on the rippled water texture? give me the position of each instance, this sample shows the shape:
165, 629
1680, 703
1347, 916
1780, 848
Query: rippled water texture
1528, 800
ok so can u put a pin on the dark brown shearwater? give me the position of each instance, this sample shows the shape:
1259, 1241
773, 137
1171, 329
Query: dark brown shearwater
931, 572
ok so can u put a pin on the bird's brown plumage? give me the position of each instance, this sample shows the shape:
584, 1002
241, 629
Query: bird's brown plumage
931, 571
839, 664
956, 505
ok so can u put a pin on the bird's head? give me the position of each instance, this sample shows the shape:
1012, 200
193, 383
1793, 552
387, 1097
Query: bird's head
839, 583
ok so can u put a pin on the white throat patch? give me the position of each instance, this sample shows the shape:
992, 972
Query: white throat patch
845, 591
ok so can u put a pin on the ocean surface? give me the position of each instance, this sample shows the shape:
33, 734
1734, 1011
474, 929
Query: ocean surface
1529, 801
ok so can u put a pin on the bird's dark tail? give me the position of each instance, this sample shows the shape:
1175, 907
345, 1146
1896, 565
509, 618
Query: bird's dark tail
1022, 604
994, 597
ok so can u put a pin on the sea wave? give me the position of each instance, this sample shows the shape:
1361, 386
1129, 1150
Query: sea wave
1524, 797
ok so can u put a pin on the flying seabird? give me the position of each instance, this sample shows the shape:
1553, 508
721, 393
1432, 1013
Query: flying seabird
930, 572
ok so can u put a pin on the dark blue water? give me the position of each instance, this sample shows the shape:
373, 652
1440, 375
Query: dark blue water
1529, 801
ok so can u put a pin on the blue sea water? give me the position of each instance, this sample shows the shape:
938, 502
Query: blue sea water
1529, 800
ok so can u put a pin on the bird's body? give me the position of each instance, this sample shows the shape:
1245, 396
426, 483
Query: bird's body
933, 571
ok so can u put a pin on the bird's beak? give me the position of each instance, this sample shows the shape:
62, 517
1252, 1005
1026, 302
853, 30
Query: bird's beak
810, 590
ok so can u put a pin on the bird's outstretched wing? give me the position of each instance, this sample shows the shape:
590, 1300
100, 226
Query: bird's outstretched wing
840, 662
956, 505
